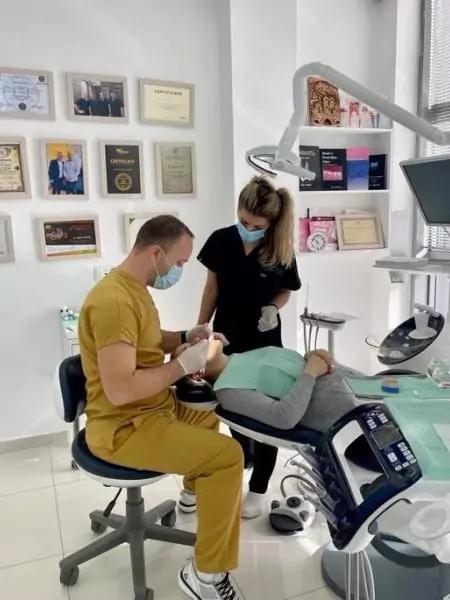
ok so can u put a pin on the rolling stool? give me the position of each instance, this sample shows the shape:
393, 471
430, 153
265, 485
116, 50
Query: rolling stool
138, 525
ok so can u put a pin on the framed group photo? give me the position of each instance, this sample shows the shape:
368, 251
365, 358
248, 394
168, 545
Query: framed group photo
102, 98
168, 103
122, 169
26, 94
134, 221
175, 170
65, 169
14, 176
69, 237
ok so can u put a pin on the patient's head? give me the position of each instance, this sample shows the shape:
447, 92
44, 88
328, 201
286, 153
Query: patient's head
215, 362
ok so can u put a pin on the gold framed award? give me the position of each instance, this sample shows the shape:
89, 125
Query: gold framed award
122, 169
166, 102
175, 170
14, 176
359, 232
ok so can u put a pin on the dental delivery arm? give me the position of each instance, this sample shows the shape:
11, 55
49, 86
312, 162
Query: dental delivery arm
268, 159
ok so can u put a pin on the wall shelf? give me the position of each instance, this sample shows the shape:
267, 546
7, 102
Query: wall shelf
375, 252
344, 130
304, 193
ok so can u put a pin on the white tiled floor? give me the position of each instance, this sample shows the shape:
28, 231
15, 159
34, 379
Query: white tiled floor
44, 507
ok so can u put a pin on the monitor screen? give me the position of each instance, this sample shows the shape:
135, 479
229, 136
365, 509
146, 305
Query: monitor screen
430, 183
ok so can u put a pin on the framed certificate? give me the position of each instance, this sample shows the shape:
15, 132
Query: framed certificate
134, 221
101, 98
122, 175
359, 232
69, 237
64, 169
6, 239
26, 94
14, 177
166, 102
175, 169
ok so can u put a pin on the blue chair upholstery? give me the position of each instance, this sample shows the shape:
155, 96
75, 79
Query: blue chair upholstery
73, 390
299, 434
92, 464
137, 526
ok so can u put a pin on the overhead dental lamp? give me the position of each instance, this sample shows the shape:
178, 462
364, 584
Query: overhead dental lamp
270, 159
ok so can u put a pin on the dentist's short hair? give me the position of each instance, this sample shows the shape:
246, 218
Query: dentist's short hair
163, 231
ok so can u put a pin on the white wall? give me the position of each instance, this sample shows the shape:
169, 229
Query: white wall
167, 39
264, 59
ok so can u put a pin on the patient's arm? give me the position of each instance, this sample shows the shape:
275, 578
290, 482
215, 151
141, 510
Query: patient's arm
283, 414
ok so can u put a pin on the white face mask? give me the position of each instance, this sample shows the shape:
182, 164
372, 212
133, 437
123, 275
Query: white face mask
173, 276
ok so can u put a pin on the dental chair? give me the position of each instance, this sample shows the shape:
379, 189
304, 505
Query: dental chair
138, 525
400, 569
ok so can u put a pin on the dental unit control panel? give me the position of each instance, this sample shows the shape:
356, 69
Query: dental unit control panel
351, 509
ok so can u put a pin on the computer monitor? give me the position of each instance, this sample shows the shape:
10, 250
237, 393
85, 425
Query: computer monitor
429, 180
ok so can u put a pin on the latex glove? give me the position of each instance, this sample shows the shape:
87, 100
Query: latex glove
204, 332
269, 318
193, 359
200, 332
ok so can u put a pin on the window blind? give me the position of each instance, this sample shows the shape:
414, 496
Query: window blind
435, 94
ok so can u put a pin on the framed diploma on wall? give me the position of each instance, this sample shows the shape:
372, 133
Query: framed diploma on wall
6, 239
26, 94
65, 169
14, 177
101, 98
175, 169
134, 221
122, 164
359, 232
69, 236
166, 102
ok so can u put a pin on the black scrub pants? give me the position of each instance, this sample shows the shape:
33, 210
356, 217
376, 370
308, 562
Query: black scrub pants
263, 458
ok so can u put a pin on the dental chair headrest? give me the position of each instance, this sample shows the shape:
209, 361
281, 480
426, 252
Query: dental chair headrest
195, 392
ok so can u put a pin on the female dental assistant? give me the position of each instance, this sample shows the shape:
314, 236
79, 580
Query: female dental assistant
251, 273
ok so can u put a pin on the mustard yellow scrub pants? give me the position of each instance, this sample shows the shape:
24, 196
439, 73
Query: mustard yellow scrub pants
187, 443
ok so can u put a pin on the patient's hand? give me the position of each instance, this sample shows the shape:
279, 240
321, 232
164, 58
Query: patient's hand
316, 366
324, 355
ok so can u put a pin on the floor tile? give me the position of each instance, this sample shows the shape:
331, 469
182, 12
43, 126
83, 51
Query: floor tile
25, 470
109, 577
29, 527
38, 580
61, 462
76, 500
322, 594
280, 566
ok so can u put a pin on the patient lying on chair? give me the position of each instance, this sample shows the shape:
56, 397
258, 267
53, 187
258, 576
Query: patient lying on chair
279, 387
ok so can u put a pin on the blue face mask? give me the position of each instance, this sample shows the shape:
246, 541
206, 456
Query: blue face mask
173, 276
249, 237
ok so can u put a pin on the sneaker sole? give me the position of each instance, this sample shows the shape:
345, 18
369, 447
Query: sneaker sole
185, 588
187, 508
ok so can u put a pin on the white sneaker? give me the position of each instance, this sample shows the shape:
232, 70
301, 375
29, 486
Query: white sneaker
253, 505
191, 585
187, 502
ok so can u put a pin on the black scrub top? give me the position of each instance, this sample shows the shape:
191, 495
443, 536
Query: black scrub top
245, 286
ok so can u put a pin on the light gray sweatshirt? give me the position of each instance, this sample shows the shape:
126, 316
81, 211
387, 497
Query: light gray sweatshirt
317, 403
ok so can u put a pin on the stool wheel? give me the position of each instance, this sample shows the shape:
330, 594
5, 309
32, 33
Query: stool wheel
98, 527
70, 576
170, 519
74, 465
146, 595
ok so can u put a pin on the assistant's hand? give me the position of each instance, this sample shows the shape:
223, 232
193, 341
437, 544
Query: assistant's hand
193, 359
268, 319
204, 332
